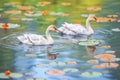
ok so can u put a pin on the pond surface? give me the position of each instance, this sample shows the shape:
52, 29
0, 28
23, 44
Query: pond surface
66, 59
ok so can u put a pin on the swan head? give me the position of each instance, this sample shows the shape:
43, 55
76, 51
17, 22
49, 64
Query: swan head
53, 28
52, 56
92, 18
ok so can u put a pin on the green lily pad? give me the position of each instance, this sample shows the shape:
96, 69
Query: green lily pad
57, 63
13, 75
110, 51
33, 15
16, 75
40, 79
116, 29
2, 75
70, 70
41, 65
91, 74
10, 25
89, 42
30, 73
53, 64
61, 63
115, 59
29, 79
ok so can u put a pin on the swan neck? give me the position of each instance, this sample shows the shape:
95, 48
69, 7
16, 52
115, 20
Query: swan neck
48, 36
88, 27
88, 24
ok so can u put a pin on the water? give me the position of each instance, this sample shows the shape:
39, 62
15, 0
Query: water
34, 61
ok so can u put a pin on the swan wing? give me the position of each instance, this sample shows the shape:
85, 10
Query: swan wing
66, 31
37, 39
24, 40
32, 39
72, 29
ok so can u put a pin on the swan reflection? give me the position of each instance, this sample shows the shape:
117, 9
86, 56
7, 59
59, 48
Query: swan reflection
49, 55
91, 49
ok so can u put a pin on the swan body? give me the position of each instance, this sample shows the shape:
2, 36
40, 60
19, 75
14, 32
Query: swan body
76, 29
35, 39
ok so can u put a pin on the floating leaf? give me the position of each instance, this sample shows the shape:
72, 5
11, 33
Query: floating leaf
29, 79
41, 65
53, 63
105, 19
89, 42
70, 70
116, 29
16, 75
110, 65
93, 61
13, 75
106, 46
98, 66
91, 74
115, 59
55, 72
2, 75
10, 25
65, 4
72, 62
110, 51
31, 55
33, 14
25, 7
109, 56
13, 12
105, 57
40, 79
30, 73
27, 19
61, 63
57, 63
94, 8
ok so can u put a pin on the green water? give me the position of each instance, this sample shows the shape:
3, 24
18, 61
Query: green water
13, 55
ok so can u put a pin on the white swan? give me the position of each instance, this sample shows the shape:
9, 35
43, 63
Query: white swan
76, 29
34, 39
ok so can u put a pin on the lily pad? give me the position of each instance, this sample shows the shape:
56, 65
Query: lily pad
30, 73
110, 51
53, 64
93, 61
70, 70
57, 63
33, 14
61, 63
91, 74
2, 75
10, 25
16, 75
13, 75
116, 29
105, 46
55, 72
27, 19
41, 65
31, 55
72, 62
89, 42
40, 79
115, 59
